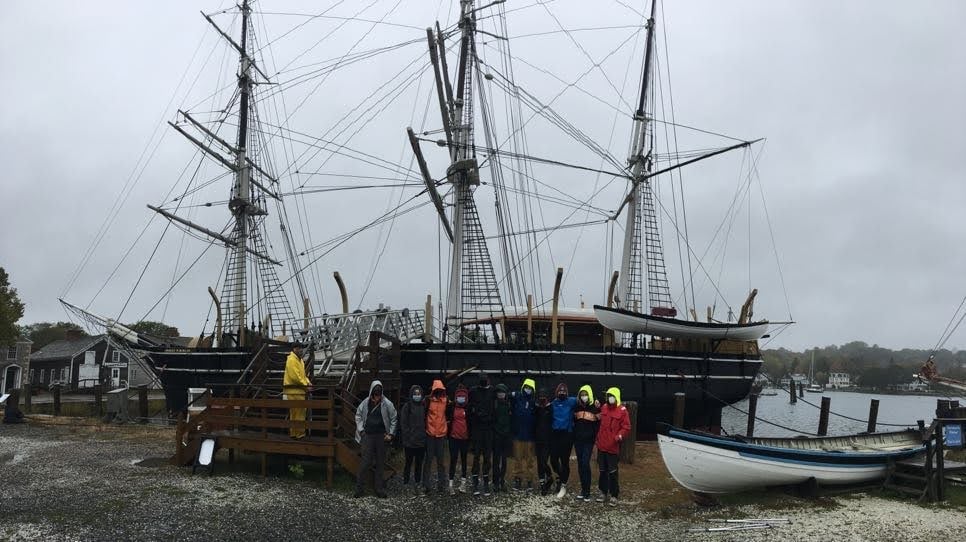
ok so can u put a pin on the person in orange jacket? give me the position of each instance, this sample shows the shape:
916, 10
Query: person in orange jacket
615, 427
295, 385
436, 431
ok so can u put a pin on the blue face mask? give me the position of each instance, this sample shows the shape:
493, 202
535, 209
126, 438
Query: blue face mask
460, 400
417, 397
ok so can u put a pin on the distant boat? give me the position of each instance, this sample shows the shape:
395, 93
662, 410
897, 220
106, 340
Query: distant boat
815, 388
713, 464
768, 393
636, 322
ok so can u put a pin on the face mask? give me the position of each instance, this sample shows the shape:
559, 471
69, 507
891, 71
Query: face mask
561, 396
528, 390
501, 396
417, 397
543, 401
611, 400
584, 399
484, 383
460, 400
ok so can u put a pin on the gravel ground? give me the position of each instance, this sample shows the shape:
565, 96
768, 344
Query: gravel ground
94, 483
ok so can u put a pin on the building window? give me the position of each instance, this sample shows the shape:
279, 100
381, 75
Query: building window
12, 352
116, 357
31, 376
63, 374
134, 373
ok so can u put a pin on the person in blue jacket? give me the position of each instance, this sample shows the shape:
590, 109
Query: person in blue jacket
562, 436
524, 454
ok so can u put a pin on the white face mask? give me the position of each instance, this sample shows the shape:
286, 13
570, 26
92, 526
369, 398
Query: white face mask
611, 400
584, 399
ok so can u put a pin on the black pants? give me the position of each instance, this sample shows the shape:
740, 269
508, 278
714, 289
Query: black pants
414, 462
373, 457
543, 456
608, 473
561, 443
434, 451
502, 445
584, 451
457, 448
482, 449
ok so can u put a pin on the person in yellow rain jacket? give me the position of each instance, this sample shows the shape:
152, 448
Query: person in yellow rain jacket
295, 384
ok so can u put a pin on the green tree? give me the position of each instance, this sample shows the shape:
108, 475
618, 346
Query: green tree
158, 329
11, 310
44, 333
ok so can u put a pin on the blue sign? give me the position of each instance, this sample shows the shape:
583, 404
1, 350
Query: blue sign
954, 436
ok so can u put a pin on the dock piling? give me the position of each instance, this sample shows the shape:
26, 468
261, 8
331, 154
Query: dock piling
26, 398
801, 391
823, 416
55, 389
873, 415
792, 398
678, 419
752, 409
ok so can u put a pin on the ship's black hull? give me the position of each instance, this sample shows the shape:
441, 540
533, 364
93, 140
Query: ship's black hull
649, 377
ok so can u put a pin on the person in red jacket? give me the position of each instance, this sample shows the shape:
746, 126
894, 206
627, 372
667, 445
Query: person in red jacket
459, 437
615, 426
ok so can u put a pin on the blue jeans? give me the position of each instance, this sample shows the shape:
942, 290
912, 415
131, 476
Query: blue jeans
584, 451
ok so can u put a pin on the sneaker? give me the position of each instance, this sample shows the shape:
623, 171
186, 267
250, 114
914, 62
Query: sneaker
579, 497
559, 485
614, 501
601, 498
529, 486
517, 484
486, 488
562, 492
464, 485
476, 489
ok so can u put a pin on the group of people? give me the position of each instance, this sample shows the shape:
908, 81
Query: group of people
525, 432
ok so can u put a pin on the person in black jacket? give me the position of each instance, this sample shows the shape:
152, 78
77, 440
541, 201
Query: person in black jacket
482, 417
543, 427
586, 422
412, 432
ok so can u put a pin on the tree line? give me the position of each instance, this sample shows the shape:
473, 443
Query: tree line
870, 365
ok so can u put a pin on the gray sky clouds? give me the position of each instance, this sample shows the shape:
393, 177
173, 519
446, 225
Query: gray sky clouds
863, 169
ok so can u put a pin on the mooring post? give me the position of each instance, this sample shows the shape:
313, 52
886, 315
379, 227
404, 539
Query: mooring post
801, 391
142, 404
678, 419
98, 401
873, 415
56, 391
940, 465
792, 398
752, 408
26, 398
823, 416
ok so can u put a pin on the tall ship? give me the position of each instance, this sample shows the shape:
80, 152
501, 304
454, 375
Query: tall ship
504, 315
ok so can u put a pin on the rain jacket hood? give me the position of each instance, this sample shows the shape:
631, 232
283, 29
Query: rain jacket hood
590, 393
438, 385
412, 422
373, 386
412, 389
529, 382
616, 392
463, 392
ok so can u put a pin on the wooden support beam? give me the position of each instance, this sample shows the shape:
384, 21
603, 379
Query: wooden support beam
873, 415
218, 328
752, 412
556, 300
792, 398
428, 321
343, 294
678, 416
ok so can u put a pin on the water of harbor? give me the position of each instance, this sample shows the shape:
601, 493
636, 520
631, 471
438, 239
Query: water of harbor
893, 409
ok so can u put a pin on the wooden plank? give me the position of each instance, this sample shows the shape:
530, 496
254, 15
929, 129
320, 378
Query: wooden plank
242, 422
313, 404
289, 447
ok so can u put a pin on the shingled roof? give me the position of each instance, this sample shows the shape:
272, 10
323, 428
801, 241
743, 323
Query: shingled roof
65, 348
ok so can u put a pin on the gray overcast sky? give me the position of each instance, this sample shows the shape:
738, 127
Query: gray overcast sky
861, 104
